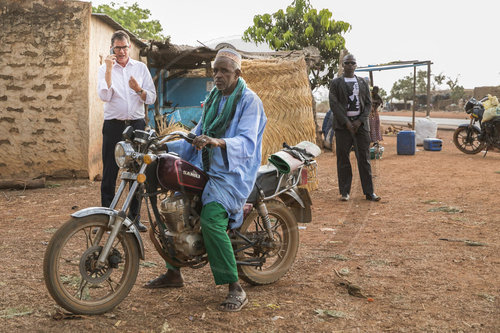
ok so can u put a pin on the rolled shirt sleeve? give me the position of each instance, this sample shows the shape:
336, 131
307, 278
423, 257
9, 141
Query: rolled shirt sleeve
105, 93
148, 85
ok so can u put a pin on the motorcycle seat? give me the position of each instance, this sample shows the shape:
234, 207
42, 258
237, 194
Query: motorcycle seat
267, 181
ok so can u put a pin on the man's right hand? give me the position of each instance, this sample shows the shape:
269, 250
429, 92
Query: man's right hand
356, 125
110, 61
350, 127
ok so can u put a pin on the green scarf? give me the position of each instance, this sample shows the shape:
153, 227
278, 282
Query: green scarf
215, 124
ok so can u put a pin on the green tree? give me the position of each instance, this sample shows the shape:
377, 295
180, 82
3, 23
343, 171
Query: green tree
298, 27
439, 78
382, 93
457, 91
134, 19
403, 88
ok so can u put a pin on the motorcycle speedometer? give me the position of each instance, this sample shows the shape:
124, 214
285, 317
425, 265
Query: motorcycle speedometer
123, 153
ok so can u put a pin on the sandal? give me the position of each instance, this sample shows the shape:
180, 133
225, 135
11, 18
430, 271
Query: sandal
239, 300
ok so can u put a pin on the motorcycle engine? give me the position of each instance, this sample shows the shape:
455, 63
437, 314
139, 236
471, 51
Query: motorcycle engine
183, 226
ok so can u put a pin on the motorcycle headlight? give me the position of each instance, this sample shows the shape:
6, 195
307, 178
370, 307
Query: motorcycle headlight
123, 153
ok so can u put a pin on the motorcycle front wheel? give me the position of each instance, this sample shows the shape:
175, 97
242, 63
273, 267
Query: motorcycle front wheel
467, 141
71, 275
277, 257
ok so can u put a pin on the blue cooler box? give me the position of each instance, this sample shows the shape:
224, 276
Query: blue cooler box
433, 144
406, 143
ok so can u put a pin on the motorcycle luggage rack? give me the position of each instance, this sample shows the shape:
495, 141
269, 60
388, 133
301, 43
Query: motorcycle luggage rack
280, 190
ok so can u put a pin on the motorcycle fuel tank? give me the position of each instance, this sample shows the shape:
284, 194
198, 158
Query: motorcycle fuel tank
176, 174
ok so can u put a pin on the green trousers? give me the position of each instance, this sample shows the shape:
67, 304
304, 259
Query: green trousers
214, 221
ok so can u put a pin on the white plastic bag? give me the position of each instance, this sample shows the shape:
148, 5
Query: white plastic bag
491, 113
425, 128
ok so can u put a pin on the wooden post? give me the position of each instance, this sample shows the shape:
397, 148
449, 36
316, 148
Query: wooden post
428, 113
22, 184
414, 96
371, 78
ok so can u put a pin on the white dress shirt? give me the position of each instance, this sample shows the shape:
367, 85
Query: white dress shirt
121, 101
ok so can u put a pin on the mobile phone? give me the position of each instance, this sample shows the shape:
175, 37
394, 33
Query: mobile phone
111, 50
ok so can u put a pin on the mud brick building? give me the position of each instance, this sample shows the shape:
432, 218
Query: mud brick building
50, 114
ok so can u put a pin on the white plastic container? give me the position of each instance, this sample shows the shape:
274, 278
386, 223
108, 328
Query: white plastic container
425, 128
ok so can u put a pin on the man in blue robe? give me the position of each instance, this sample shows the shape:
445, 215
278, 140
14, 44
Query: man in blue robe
228, 147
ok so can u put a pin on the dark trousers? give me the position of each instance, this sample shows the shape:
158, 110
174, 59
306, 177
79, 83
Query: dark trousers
344, 141
111, 134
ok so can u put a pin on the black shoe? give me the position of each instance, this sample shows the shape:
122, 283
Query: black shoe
141, 227
344, 197
373, 197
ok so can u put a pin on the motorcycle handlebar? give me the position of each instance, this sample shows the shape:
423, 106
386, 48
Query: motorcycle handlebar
189, 137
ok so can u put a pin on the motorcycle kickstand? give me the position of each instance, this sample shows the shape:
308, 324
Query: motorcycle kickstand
485, 152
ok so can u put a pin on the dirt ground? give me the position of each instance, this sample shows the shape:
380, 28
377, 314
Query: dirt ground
426, 258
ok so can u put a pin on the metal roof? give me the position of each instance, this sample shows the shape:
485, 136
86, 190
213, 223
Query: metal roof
393, 65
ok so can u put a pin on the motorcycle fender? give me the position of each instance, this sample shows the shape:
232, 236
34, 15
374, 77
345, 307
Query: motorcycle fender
108, 211
299, 201
469, 125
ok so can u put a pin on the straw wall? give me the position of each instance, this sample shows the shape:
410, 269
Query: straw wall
283, 87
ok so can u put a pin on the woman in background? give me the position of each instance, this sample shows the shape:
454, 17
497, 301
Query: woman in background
375, 133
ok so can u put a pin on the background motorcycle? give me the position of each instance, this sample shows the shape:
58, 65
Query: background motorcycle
92, 261
470, 138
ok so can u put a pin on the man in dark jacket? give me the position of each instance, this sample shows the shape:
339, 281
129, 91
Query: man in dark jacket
351, 104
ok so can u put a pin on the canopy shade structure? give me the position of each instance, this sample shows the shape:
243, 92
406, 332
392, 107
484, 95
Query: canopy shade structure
404, 64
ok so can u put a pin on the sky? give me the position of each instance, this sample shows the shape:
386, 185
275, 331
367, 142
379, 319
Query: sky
461, 38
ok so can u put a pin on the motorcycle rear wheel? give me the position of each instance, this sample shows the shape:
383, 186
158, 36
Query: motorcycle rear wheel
279, 260
69, 270
468, 144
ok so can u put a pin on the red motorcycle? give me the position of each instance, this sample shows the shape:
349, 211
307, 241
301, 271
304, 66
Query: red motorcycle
92, 261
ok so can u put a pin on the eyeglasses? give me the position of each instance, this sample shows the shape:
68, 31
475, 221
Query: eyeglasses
349, 63
120, 48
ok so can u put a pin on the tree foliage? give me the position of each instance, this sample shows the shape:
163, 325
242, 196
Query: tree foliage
134, 19
457, 91
298, 27
403, 88
382, 93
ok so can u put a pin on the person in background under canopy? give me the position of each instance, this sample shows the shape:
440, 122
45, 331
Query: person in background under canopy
375, 132
228, 147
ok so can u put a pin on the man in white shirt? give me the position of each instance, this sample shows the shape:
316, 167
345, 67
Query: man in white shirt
125, 85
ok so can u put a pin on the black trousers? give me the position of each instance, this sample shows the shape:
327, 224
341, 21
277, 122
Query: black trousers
111, 134
344, 141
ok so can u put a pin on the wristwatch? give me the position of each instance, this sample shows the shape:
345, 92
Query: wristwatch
140, 92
